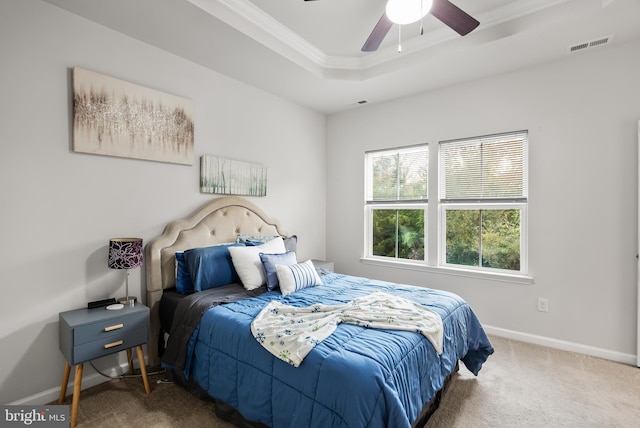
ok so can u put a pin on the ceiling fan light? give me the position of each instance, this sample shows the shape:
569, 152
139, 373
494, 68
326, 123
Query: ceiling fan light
407, 11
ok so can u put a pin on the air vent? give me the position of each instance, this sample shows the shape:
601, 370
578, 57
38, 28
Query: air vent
591, 44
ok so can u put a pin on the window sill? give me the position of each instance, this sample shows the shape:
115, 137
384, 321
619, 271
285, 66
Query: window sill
491, 276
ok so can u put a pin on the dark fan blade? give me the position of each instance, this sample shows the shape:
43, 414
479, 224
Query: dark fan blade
377, 35
456, 18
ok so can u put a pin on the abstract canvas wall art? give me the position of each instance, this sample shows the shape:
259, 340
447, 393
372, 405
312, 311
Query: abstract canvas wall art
232, 177
118, 118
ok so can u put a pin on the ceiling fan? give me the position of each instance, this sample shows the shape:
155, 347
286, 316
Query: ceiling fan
450, 14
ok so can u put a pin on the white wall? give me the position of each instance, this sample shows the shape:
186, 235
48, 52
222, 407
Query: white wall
582, 116
60, 208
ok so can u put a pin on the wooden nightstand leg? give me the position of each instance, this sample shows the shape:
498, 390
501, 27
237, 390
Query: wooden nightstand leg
65, 381
143, 369
77, 383
130, 361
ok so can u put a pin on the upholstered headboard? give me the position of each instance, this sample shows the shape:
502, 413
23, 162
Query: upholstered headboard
217, 222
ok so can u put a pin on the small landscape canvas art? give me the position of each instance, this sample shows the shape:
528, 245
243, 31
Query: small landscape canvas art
232, 177
118, 118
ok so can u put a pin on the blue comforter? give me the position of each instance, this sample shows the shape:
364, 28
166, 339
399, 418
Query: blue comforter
357, 377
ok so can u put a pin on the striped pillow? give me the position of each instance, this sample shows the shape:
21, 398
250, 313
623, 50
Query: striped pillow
296, 277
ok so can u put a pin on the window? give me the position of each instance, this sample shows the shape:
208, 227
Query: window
480, 212
396, 202
483, 199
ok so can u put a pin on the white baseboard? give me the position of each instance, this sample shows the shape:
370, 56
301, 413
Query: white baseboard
563, 345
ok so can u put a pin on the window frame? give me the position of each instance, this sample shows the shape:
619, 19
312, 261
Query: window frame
369, 208
442, 234
371, 204
435, 220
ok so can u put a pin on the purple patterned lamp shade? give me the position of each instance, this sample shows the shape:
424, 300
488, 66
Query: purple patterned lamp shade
125, 253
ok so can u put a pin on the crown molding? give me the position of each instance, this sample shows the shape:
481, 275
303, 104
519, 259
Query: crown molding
252, 21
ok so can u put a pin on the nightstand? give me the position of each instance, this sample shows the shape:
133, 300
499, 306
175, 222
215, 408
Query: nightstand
87, 334
323, 264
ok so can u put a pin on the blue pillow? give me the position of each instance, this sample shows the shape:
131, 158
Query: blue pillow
290, 242
211, 267
183, 278
253, 240
269, 262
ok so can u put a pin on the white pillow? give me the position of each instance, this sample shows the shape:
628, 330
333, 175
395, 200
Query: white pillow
246, 261
296, 277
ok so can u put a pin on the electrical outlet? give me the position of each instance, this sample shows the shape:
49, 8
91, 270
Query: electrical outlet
543, 304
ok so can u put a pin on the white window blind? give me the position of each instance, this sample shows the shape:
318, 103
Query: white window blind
398, 175
484, 169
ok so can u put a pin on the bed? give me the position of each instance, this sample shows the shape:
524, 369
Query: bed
355, 377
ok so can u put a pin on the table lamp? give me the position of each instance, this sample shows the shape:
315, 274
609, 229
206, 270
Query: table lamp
125, 253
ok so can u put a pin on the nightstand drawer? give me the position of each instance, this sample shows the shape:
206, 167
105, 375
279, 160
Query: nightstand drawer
107, 345
109, 328
84, 332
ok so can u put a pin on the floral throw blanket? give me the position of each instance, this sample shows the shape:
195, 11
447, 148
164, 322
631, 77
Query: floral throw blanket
290, 333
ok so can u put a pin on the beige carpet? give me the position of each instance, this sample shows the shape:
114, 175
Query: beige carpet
521, 385
524, 385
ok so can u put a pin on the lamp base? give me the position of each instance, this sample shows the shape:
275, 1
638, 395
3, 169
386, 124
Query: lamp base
128, 301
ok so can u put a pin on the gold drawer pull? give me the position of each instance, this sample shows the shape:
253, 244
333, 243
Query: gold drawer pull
112, 344
113, 327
